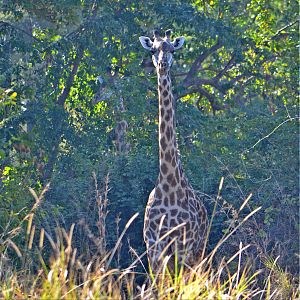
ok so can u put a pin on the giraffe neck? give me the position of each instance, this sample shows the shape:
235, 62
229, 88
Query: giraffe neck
168, 157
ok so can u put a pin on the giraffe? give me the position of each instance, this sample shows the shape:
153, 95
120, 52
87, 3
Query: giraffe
121, 137
120, 130
173, 206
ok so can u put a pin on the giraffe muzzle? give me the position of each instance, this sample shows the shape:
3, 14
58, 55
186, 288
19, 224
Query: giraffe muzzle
162, 67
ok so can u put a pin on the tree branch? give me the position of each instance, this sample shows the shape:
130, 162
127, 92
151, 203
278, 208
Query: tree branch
212, 82
278, 32
197, 63
66, 91
19, 29
205, 94
61, 101
228, 66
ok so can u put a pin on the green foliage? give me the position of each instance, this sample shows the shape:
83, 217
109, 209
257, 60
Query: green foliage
235, 83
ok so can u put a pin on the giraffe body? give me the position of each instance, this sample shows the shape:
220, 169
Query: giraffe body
120, 130
173, 205
120, 137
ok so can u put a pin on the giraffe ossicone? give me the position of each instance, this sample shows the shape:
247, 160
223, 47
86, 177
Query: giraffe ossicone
175, 219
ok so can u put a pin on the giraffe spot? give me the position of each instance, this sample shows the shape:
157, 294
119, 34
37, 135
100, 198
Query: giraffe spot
170, 178
180, 220
188, 226
172, 198
202, 211
167, 102
181, 248
163, 231
172, 152
166, 187
180, 238
165, 82
165, 93
164, 168
191, 194
147, 234
174, 162
163, 210
153, 213
161, 155
203, 227
158, 218
168, 157
160, 87
158, 201
198, 206
166, 201
168, 133
189, 234
177, 175
192, 207
173, 183
158, 193
197, 203
162, 127
183, 183
162, 112
173, 212
180, 194
183, 215
168, 115
163, 143
196, 227
184, 205
168, 88
153, 225
175, 233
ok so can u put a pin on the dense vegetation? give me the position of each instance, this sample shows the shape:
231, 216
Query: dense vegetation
72, 70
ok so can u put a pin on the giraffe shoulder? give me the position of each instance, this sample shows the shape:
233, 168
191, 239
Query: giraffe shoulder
196, 199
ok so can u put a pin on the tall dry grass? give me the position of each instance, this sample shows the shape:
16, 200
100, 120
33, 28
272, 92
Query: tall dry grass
68, 275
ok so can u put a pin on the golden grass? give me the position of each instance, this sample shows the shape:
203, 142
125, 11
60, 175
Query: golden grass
68, 276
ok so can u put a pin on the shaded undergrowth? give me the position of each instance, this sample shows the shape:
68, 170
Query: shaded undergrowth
51, 267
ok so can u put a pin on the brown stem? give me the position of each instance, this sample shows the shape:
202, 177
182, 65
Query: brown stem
228, 66
197, 63
66, 90
61, 101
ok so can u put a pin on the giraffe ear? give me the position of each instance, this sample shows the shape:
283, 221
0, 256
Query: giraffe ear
146, 42
178, 43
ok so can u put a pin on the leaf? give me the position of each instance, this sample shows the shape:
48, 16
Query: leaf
13, 95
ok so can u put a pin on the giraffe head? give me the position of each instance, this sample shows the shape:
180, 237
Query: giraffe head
162, 50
